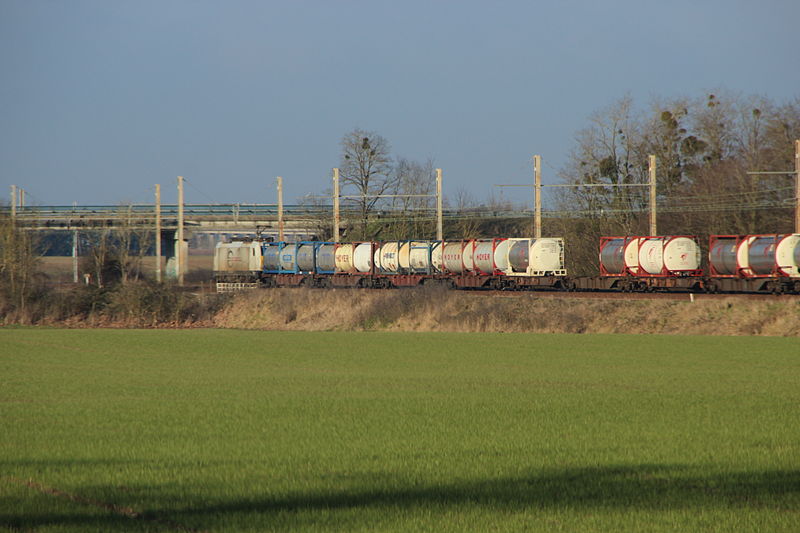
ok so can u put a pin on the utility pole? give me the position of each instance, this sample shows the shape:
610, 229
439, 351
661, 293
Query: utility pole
439, 228
797, 186
280, 209
13, 202
179, 245
158, 233
652, 171
335, 205
75, 256
21, 197
537, 196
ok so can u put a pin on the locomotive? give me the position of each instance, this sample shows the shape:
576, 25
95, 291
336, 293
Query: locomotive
735, 263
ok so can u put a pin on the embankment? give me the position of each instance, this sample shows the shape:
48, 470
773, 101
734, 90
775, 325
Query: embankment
441, 310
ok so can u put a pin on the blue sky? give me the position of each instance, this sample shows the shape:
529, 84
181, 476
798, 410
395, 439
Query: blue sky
100, 100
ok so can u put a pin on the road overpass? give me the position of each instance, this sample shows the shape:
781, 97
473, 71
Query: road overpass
208, 223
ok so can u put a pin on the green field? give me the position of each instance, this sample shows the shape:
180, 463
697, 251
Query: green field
209, 430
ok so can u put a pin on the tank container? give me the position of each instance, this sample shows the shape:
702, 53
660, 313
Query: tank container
619, 255
344, 258
534, 257
452, 257
271, 253
387, 257
326, 257
305, 257
722, 255
437, 259
362, 257
668, 255
771, 255
467, 255
419, 256
288, 258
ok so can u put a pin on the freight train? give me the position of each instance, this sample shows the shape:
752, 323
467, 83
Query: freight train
735, 263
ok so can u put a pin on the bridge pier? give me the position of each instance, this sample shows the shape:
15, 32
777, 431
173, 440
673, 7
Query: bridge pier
170, 244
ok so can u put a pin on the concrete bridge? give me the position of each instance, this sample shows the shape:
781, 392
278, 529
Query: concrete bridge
205, 224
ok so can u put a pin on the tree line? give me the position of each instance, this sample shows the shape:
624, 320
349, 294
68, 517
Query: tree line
706, 149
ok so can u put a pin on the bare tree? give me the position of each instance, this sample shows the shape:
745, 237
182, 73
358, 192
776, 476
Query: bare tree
412, 207
131, 243
366, 170
467, 225
318, 217
98, 260
18, 260
609, 151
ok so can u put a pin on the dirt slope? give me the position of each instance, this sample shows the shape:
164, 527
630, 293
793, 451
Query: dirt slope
441, 310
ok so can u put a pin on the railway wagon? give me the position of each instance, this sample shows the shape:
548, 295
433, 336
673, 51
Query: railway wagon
754, 263
764, 263
499, 263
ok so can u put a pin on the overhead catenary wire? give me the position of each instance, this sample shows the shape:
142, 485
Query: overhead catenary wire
196, 189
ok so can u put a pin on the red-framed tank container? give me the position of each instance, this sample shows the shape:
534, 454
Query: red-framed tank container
641, 270
353, 271
665, 271
767, 255
495, 242
463, 244
617, 256
720, 266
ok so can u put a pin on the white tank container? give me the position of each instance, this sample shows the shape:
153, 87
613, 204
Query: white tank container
668, 255
501, 254
452, 257
362, 257
343, 258
787, 255
490, 255
742, 255
547, 254
437, 260
388, 257
420, 256
404, 255
466, 255
534, 257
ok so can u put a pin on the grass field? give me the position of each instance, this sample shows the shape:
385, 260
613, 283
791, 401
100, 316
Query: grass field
208, 430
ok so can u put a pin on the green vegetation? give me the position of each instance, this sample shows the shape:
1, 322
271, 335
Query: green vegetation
208, 430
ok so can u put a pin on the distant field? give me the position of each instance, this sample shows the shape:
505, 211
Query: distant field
59, 269
224, 430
